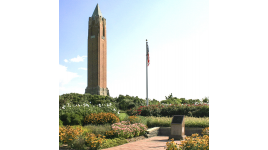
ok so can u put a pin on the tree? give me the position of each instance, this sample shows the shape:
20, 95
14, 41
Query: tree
206, 100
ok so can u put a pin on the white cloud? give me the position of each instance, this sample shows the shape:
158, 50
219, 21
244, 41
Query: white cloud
78, 59
82, 68
65, 77
65, 60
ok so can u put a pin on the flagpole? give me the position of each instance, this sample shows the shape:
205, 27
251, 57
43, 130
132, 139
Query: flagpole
147, 103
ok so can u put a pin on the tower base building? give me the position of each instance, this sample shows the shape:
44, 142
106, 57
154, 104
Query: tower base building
97, 91
97, 55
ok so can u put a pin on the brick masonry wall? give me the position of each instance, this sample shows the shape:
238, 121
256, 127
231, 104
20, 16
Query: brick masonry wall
97, 56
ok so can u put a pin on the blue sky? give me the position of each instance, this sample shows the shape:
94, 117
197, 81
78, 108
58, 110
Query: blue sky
177, 33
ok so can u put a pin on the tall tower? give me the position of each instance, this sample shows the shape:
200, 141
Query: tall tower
97, 55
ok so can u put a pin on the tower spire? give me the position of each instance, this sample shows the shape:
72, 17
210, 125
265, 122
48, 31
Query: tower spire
97, 11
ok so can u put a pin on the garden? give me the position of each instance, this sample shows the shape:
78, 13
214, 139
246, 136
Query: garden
98, 122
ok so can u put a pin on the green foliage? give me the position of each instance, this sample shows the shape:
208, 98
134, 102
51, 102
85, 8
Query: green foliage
123, 117
171, 100
197, 122
79, 144
143, 120
72, 109
60, 123
166, 122
75, 115
206, 100
174, 100
75, 99
158, 122
72, 119
98, 129
128, 102
151, 110
113, 142
154, 102
190, 101
170, 110
72, 98
121, 102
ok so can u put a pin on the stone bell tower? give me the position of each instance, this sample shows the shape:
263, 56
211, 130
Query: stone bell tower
97, 55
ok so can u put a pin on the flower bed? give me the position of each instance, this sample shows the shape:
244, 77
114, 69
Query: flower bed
125, 129
192, 142
79, 137
101, 118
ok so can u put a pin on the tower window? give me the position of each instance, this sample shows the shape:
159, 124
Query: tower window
103, 30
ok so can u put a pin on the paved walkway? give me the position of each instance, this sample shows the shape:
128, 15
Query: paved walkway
156, 143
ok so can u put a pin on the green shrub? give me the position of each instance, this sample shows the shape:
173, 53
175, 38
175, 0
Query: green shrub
60, 123
154, 102
75, 115
72, 119
158, 122
128, 102
166, 122
79, 143
197, 122
99, 129
75, 99
201, 110
123, 116
113, 142
171, 100
143, 120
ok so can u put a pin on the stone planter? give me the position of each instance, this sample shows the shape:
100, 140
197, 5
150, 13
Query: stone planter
165, 131
191, 130
152, 132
